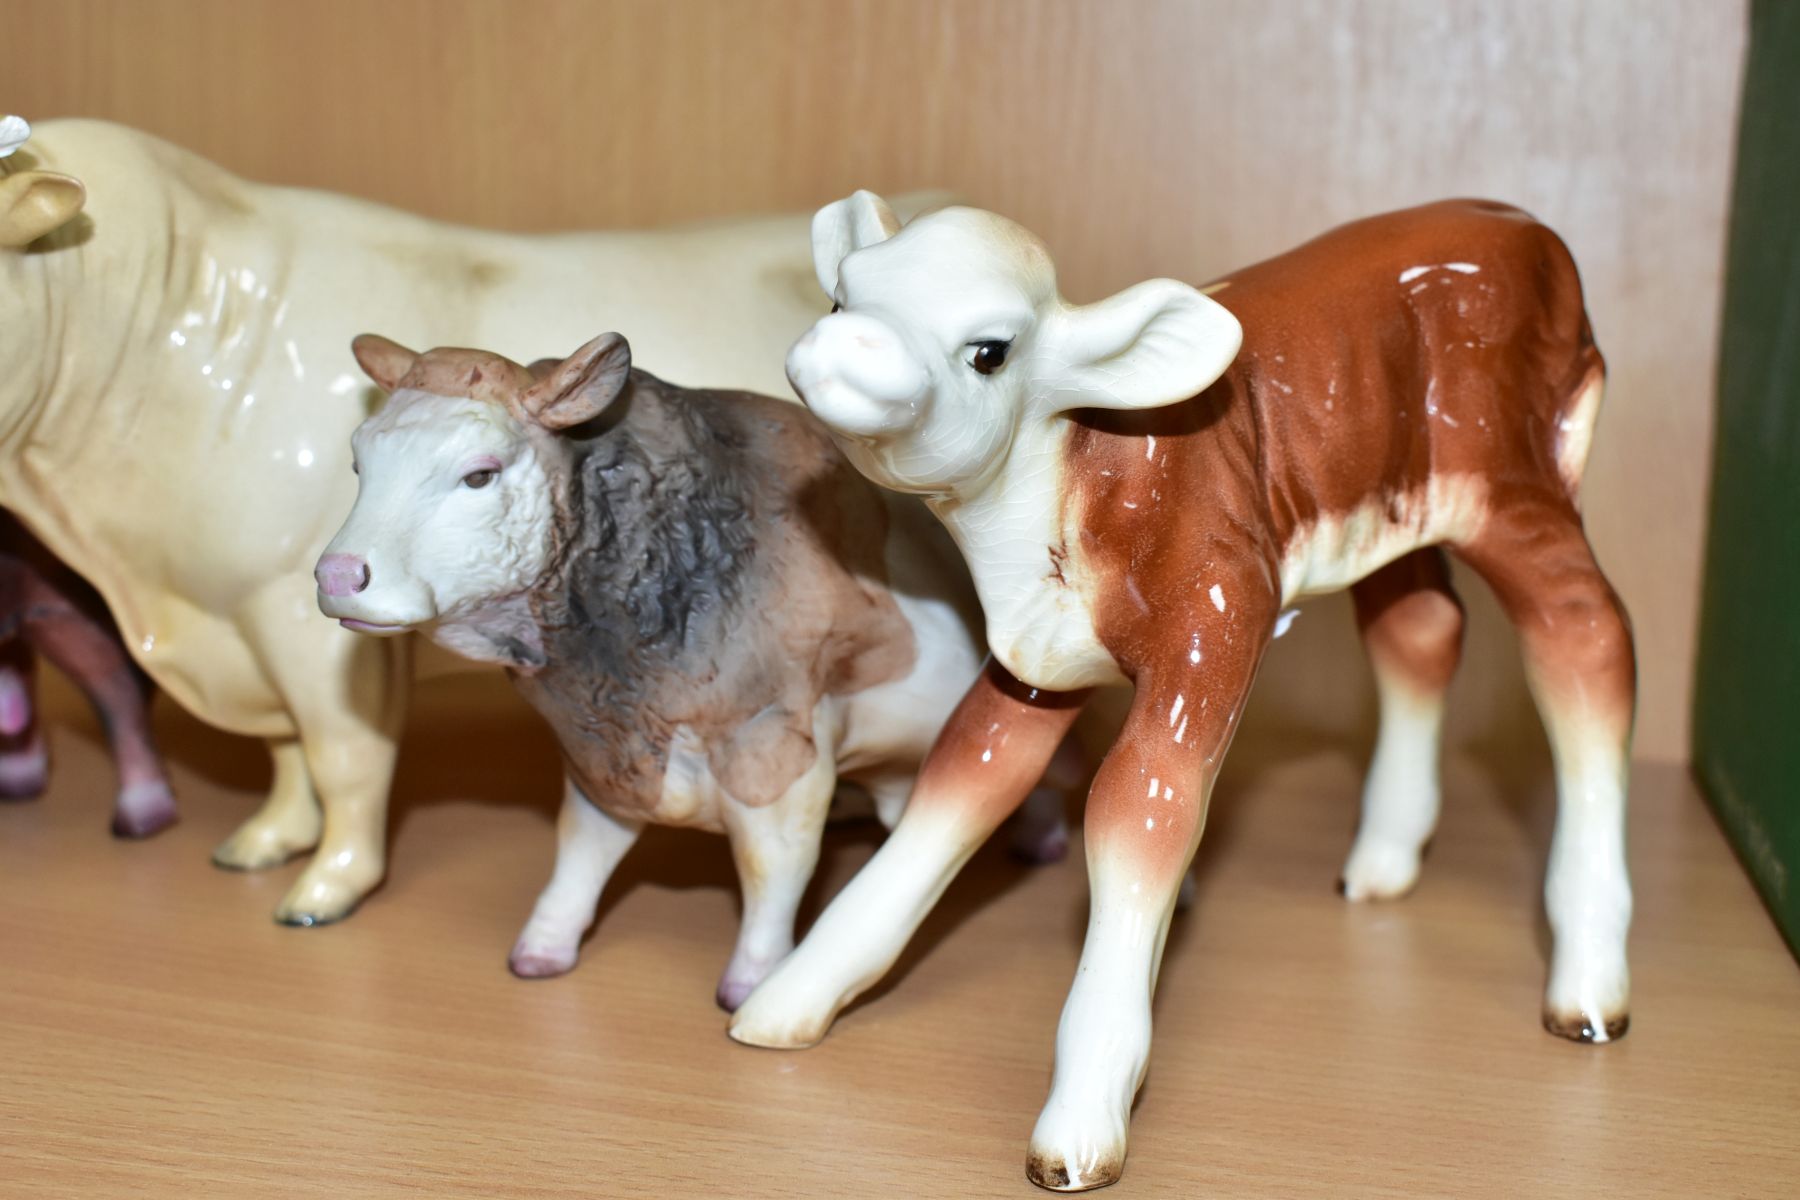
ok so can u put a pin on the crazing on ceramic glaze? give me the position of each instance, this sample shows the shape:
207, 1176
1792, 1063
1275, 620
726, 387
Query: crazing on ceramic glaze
175, 424
1140, 487
708, 605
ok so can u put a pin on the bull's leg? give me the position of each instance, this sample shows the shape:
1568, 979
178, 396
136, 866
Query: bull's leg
1143, 823
86, 648
590, 844
347, 696
990, 754
1412, 626
24, 760
287, 823
1583, 675
776, 848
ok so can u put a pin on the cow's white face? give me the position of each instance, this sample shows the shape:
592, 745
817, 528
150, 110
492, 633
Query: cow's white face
950, 337
453, 513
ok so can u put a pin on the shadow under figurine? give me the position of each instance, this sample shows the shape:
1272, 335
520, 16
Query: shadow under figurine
717, 615
46, 609
1140, 487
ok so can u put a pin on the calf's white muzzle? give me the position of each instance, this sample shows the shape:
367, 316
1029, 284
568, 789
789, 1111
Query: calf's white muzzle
858, 376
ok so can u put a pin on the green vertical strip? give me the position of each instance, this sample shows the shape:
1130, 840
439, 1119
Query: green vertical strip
1747, 691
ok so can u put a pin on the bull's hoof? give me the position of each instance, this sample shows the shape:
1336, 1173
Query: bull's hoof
1578, 1027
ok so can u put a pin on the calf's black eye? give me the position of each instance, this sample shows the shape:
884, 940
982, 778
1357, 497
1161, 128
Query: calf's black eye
479, 479
989, 356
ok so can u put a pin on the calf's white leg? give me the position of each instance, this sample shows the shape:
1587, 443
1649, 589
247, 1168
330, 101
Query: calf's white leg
1412, 626
590, 844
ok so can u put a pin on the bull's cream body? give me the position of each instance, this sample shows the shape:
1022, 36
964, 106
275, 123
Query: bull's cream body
178, 402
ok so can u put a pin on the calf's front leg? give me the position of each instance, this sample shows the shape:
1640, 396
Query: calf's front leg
590, 843
989, 755
1144, 817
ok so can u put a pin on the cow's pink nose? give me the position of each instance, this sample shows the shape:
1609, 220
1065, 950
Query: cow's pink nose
341, 574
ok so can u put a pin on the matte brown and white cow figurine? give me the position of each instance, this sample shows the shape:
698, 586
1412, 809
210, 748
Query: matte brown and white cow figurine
48, 610
1139, 495
717, 615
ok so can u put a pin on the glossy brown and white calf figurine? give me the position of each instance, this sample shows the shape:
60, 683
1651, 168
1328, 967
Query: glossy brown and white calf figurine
718, 616
47, 610
1140, 486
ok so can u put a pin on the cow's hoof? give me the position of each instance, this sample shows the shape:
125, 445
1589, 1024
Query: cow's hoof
540, 963
1578, 1027
24, 774
1379, 869
772, 1020
143, 809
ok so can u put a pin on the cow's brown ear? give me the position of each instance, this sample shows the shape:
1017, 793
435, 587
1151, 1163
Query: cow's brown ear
32, 203
384, 361
582, 386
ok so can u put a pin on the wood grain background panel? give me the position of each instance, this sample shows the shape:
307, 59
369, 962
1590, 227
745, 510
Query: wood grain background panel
1139, 137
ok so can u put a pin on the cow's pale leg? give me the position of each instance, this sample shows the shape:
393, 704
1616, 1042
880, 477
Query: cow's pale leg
1412, 627
776, 848
590, 844
1582, 671
288, 822
990, 754
1143, 822
24, 759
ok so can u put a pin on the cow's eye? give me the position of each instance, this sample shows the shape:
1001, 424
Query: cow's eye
481, 478
989, 356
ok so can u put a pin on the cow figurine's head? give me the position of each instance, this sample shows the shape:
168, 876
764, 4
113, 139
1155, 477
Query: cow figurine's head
949, 336
459, 475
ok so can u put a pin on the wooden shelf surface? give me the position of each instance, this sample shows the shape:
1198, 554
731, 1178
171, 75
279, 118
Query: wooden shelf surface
161, 1036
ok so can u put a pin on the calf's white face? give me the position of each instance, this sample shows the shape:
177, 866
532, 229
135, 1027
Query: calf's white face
950, 337
453, 512
460, 475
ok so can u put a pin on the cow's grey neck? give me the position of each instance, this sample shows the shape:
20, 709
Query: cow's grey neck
650, 555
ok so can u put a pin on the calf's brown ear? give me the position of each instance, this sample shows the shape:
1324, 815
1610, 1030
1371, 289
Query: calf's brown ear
383, 361
581, 386
32, 203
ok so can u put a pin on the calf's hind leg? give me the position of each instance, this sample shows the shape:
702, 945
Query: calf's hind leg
1412, 626
1583, 676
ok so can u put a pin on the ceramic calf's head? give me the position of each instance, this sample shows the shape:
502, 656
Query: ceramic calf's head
949, 336
459, 475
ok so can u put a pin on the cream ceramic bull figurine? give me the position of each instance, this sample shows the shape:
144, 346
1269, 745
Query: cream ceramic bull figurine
716, 614
1140, 486
176, 412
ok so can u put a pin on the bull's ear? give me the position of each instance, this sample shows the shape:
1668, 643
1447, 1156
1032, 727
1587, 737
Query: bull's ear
1154, 344
32, 203
383, 361
582, 385
858, 220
